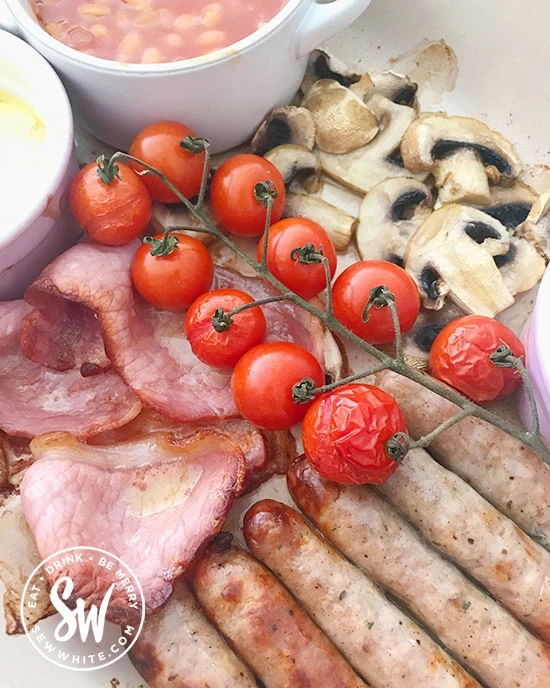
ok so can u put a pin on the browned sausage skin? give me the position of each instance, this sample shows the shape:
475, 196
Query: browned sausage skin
179, 647
386, 647
501, 468
471, 532
265, 625
376, 537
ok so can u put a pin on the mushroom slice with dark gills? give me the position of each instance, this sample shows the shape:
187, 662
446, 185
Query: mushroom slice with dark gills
451, 254
343, 122
390, 214
297, 164
282, 125
510, 205
399, 88
536, 228
323, 65
464, 155
365, 167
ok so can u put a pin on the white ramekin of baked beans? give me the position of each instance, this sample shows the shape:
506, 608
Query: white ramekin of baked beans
217, 65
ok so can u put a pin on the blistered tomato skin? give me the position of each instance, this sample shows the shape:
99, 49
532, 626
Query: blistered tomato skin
460, 356
344, 433
223, 349
262, 384
112, 214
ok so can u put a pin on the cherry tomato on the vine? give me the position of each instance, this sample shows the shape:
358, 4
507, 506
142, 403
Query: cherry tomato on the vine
232, 198
176, 279
110, 203
159, 145
263, 380
460, 356
352, 290
345, 431
305, 279
222, 348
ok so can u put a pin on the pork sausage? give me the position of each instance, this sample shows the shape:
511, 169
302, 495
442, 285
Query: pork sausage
469, 530
179, 647
385, 646
374, 535
501, 468
263, 623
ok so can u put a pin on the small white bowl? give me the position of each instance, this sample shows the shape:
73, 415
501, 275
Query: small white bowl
222, 95
536, 339
44, 226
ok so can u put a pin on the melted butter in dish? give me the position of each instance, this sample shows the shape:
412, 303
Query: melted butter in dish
22, 137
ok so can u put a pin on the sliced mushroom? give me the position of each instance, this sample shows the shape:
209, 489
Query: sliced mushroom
365, 167
521, 267
390, 214
282, 125
323, 65
333, 193
463, 153
452, 254
297, 164
178, 216
536, 228
399, 88
342, 120
510, 205
339, 225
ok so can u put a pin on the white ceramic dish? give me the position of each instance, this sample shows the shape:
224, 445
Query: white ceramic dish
502, 56
224, 94
44, 226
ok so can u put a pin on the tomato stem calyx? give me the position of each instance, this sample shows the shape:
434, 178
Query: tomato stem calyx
397, 446
221, 320
162, 247
107, 170
304, 391
195, 144
307, 254
265, 192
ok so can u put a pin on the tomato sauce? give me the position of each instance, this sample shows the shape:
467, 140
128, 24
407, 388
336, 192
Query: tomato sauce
152, 31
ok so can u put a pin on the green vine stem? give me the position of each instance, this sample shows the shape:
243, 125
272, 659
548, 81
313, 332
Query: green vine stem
221, 320
530, 438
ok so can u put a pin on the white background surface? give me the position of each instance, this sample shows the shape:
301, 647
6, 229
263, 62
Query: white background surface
503, 57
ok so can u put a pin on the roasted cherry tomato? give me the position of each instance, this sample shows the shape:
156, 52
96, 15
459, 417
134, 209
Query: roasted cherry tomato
232, 194
176, 279
306, 280
159, 145
351, 292
345, 431
217, 339
460, 356
262, 384
110, 203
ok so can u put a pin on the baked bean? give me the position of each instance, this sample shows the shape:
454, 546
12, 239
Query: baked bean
151, 31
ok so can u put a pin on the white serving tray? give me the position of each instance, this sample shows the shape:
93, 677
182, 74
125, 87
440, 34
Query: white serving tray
500, 75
